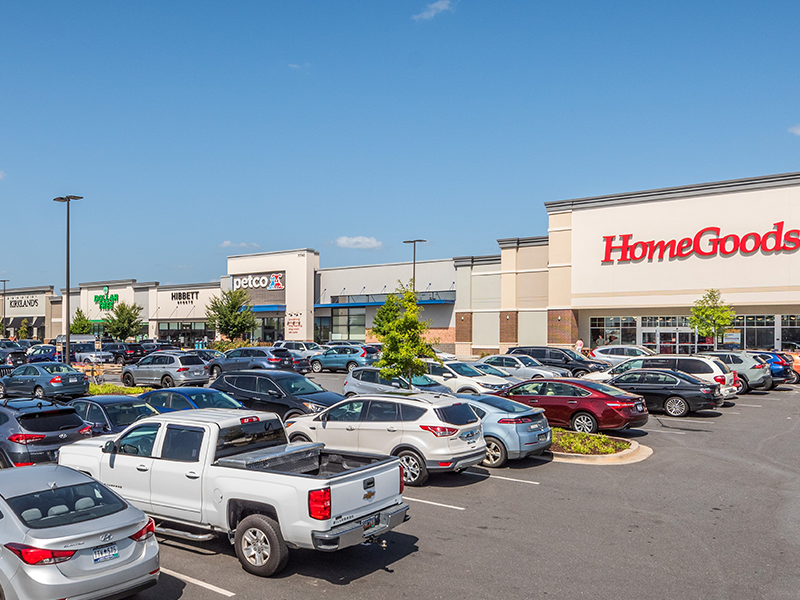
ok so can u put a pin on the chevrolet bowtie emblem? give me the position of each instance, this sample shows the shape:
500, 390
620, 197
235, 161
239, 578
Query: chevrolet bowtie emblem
369, 495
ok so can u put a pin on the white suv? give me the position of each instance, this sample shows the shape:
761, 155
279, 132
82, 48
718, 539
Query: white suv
303, 349
427, 432
464, 379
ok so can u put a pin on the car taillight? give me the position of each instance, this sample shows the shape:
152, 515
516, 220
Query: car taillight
402, 480
86, 430
516, 421
780, 361
182, 369
25, 438
439, 431
363, 352
273, 360
128, 351
720, 379
56, 379
23, 464
591, 353
9, 361
735, 377
319, 504
145, 533
706, 390
38, 556
244, 420
760, 366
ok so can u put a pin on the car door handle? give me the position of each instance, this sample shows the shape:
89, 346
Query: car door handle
142, 468
572, 401
311, 427
350, 428
192, 475
391, 429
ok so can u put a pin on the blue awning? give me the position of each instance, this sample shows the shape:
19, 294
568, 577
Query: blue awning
362, 304
269, 308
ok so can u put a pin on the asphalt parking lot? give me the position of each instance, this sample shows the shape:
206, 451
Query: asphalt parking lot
713, 513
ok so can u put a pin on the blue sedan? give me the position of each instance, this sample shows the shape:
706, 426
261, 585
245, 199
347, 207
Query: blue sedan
512, 430
111, 414
188, 398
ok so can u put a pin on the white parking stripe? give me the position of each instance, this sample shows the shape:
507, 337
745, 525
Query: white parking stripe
434, 503
499, 477
678, 420
749, 405
202, 584
662, 431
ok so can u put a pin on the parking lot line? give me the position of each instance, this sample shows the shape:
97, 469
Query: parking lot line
434, 503
749, 405
500, 477
680, 420
197, 582
660, 431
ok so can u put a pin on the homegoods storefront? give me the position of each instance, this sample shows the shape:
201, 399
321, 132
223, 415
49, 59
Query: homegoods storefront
627, 268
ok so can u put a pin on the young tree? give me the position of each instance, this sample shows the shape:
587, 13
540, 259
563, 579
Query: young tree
123, 321
711, 316
402, 335
22, 332
230, 314
80, 323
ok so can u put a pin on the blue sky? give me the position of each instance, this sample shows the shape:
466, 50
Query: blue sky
195, 130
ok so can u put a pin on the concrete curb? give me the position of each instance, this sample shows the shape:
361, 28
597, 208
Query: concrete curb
636, 453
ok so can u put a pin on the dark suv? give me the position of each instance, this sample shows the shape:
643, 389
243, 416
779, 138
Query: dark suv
31, 431
262, 357
577, 364
124, 354
12, 354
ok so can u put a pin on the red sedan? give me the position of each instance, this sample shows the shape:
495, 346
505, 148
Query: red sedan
582, 405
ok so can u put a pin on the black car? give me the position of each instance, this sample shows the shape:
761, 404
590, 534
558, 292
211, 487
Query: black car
565, 358
124, 354
675, 392
32, 430
12, 354
282, 392
149, 347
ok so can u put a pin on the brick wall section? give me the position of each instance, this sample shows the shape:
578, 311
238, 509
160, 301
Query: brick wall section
463, 327
564, 331
508, 327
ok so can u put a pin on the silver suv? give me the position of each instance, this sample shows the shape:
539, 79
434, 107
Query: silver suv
752, 371
166, 369
618, 353
304, 349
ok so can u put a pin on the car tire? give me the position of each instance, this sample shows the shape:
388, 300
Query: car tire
583, 422
119, 360
537, 377
299, 437
38, 392
292, 415
675, 406
415, 473
350, 394
2, 391
496, 453
743, 387
579, 373
259, 546
316, 366
794, 377
466, 391
215, 371
351, 366
128, 381
167, 381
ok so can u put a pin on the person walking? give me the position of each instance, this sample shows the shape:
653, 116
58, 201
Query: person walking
579, 346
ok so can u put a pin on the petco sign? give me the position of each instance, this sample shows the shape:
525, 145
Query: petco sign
705, 243
273, 281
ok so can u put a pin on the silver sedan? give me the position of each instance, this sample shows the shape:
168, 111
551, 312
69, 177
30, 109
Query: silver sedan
66, 535
523, 366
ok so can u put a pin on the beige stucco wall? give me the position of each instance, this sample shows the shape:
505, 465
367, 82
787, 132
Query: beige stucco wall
532, 328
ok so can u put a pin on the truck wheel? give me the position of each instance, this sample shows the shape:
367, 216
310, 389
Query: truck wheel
316, 366
260, 546
415, 472
127, 380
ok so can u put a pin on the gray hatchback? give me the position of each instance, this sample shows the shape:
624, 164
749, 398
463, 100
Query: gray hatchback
166, 369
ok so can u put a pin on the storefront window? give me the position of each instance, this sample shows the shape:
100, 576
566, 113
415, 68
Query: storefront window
790, 332
269, 329
607, 331
185, 334
349, 324
322, 330
751, 332
672, 335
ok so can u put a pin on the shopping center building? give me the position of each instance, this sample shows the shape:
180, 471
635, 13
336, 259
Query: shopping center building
622, 268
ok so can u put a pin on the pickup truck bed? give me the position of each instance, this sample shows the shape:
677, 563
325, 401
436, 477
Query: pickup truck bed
302, 458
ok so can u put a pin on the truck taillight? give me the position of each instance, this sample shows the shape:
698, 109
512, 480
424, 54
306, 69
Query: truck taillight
402, 479
439, 431
244, 420
145, 533
38, 556
319, 504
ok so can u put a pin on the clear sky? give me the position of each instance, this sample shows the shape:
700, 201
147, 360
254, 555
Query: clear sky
196, 130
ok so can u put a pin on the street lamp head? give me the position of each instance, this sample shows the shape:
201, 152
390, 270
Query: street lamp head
413, 241
67, 198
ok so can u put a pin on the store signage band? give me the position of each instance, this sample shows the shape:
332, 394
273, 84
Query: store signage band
23, 302
185, 297
267, 282
106, 301
705, 243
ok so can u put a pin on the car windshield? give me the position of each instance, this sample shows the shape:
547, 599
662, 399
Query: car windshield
214, 399
504, 404
422, 381
464, 370
126, 413
490, 370
527, 360
65, 505
313, 346
10, 345
57, 368
298, 385
572, 354
604, 388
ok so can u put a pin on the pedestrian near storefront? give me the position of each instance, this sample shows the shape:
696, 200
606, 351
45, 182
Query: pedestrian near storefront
579, 346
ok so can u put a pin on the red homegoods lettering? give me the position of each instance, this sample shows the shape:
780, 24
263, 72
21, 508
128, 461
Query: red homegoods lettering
709, 241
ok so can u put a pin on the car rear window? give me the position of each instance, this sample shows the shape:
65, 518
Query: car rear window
457, 414
250, 436
696, 366
191, 360
65, 505
57, 368
504, 404
371, 350
51, 420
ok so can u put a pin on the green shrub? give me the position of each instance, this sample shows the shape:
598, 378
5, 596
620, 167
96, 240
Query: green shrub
573, 442
225, 345
105, 389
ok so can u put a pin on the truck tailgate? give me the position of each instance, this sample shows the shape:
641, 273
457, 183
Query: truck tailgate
365, 491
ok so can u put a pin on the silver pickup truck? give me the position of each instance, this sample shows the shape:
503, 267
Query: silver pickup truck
231, 472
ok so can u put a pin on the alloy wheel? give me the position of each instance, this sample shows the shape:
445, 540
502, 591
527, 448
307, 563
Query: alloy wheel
583, 424
676, 407
411, 468
255, 547
493, 453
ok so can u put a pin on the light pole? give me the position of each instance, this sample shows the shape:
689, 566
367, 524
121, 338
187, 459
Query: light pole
414, 264
3, 320
66, 199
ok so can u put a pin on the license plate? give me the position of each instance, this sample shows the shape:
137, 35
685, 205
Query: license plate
197, 372
640, 407
370, 522
105, 553
73, 379
542, 437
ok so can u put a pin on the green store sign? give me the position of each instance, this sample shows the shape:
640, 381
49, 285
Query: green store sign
106, 301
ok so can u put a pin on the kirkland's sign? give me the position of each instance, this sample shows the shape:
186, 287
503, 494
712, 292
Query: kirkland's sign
705, 243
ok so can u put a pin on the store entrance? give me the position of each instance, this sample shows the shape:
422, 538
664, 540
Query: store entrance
674, 340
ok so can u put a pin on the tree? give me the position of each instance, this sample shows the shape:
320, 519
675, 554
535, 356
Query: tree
711, 316
22, 332
80, 323
123, 321
230, 314
402, 335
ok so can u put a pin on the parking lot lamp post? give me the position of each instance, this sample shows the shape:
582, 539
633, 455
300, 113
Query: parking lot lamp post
414, 264
66, 200
3, 320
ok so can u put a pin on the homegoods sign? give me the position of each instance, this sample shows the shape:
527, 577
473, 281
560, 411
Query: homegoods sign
710, 241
